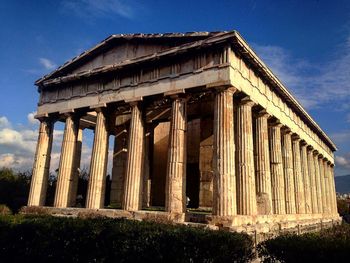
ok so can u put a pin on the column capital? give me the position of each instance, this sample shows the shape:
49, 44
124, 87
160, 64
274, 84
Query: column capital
303, 143
45, 118
264, 114
320, 156
276, 124
286, 130
71, 113
296, 137
224, 88
98, 107
174, 93
310, 148
178, 96
246, 101
315, 152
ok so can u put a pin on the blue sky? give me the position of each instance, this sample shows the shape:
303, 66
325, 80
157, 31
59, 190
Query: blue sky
306, 44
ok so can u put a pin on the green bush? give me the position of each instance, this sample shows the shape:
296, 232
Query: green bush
14, 188
330, 245
51, 239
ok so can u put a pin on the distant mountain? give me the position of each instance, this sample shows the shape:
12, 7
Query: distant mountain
342, 184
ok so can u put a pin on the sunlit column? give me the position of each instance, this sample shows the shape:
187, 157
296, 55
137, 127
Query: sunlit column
41, 167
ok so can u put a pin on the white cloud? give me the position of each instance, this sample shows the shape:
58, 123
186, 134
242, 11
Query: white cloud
7, 160
4, 123
18, 144
48, 64
31, 118
343, 162
101, 8
313, 85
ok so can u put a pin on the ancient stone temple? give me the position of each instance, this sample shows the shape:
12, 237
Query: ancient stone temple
199, 123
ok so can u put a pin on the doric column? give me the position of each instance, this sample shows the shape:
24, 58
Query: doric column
76, 168
224, 183
318, 183
119, 165
66, 170
175, 191
326, 209
306, 178
313, 181
246, 191
298, 177
288, 171
331, 199
263, 173
323, 185
41, 167
277, 178
132, 199
98, 166
333, 192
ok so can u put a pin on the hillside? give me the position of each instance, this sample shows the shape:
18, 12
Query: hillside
342, 184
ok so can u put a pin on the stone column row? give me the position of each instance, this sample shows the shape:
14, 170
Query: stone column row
286, 177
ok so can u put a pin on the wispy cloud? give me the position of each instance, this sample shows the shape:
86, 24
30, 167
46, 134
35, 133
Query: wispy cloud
100, 8
47, 63
341, 137
4, 122
313, 85
343, 161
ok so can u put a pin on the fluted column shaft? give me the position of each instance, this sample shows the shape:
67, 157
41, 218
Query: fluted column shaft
76, 168
313, 181
318, 184
263, 172
277, 178
327, 205
175, 192
41, 167
288, 172
66, 170
246, 191
98, 167
333, 191
132, 199
323, 185
298, 177
224, 183
306, 178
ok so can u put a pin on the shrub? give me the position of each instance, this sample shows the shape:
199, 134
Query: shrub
52, 239
343, 207
330, 245
14, 188
4, 210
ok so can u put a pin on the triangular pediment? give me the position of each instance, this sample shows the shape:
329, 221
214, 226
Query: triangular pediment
118, 48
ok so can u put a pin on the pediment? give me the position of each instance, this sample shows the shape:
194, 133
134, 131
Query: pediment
118, 48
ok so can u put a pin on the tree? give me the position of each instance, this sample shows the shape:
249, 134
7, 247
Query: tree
14, 188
